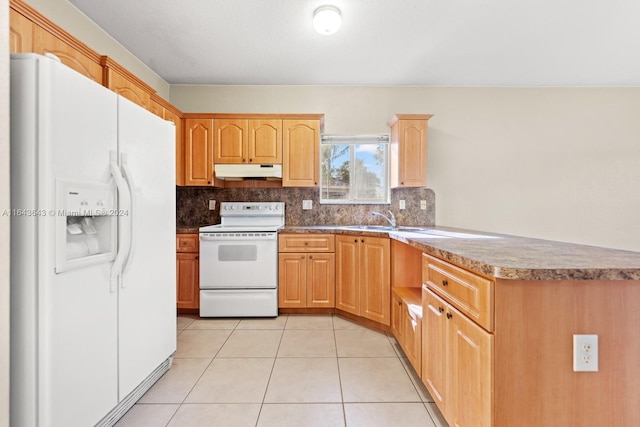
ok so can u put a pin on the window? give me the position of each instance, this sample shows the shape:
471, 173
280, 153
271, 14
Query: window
354, 169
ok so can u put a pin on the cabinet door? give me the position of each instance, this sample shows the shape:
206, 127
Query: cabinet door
156, 109
412, 153
412, 337
175, 119
265, 141
198, 151
20, 33
45, 42
187, 280
300, 153
347, 274
292, 279
470, 350
230, 139
126, 88
375, 279
396, 318
321, 287
434, 348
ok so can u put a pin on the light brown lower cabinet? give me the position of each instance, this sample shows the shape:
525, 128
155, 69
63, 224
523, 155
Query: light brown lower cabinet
457, 363
406, 323
306, 280
363, 279
306, 271
187, 272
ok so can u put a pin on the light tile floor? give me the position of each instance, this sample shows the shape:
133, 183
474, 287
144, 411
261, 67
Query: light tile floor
295, 370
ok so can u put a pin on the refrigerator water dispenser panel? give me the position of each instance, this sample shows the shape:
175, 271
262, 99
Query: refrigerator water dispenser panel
86, 218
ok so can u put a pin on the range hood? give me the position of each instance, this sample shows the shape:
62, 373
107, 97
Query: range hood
241, 171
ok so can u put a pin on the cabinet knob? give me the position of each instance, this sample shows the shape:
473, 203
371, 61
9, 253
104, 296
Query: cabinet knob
362, 240
196, 256
302, 257
444, 282
251, 160
355, 240
449, 315
310, 257
306, 243
440, 309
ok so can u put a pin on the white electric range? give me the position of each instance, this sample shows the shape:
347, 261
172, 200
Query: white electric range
239, 261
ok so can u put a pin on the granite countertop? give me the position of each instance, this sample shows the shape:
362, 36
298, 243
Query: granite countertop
187, 230
509, 257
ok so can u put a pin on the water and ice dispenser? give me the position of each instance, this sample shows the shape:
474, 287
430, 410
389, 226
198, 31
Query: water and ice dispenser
86, 224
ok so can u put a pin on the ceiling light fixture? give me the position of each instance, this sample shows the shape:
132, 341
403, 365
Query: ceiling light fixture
327, 20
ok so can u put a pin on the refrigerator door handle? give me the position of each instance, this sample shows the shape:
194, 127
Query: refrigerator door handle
132, 210
116, 267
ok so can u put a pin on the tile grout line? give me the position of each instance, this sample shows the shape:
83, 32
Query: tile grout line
203, 372
275, 358
406, 369
335, 342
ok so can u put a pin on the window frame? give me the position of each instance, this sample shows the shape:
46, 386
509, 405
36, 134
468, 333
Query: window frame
354, 140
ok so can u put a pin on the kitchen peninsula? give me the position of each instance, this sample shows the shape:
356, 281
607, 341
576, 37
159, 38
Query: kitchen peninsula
498, 317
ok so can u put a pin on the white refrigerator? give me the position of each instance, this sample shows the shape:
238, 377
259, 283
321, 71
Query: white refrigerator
93, 322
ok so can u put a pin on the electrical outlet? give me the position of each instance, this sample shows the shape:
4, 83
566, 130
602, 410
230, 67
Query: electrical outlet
423, 205
307, 204
403, 204
585, 353
212, 205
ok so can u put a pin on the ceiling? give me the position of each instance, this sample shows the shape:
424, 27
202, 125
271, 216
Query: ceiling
381, 42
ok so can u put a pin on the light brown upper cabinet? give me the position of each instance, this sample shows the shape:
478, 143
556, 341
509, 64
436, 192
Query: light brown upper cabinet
198, 151
126, 84
20, 33
301, 153
165, 110
85, 63
31, 32
238, 140
408, 150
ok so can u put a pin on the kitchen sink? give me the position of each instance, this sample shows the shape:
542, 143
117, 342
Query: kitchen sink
417, 232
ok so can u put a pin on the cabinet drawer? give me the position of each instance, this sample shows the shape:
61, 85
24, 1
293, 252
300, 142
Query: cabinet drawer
187, 242
466, 291
306, 243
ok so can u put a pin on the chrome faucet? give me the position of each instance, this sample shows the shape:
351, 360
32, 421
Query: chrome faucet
391, 220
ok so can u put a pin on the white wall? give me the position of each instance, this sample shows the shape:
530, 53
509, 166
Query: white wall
68, 17
554, 163
4, 220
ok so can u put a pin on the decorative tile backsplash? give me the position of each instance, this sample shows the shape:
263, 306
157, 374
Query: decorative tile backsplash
192, 206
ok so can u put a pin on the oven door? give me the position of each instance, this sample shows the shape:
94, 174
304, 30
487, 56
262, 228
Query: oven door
239, 260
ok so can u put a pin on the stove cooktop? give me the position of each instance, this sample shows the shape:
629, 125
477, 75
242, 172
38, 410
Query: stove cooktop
220, 228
